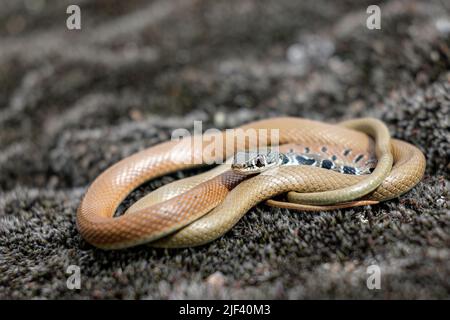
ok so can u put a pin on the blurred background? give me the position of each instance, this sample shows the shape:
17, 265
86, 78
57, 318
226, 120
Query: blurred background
73, 102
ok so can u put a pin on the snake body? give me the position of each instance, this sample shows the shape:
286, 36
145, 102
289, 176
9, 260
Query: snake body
199, 209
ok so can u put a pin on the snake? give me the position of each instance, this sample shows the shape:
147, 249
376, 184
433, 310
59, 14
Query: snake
310, 166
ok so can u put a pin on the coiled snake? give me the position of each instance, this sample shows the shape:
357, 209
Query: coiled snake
200, 209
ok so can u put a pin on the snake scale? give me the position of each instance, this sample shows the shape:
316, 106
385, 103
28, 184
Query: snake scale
200, 209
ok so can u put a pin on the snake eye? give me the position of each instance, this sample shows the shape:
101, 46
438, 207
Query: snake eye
259, 163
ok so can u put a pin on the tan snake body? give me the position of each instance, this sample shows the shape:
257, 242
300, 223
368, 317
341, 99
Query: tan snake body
199, 209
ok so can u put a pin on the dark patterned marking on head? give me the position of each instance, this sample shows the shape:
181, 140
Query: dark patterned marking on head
349, 170
358, 158
284, 159
306, 150
347, 152
334, 158
305, 161
327, 164
324, 149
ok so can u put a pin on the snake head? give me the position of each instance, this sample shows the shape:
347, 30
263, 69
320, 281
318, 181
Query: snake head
255, 162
